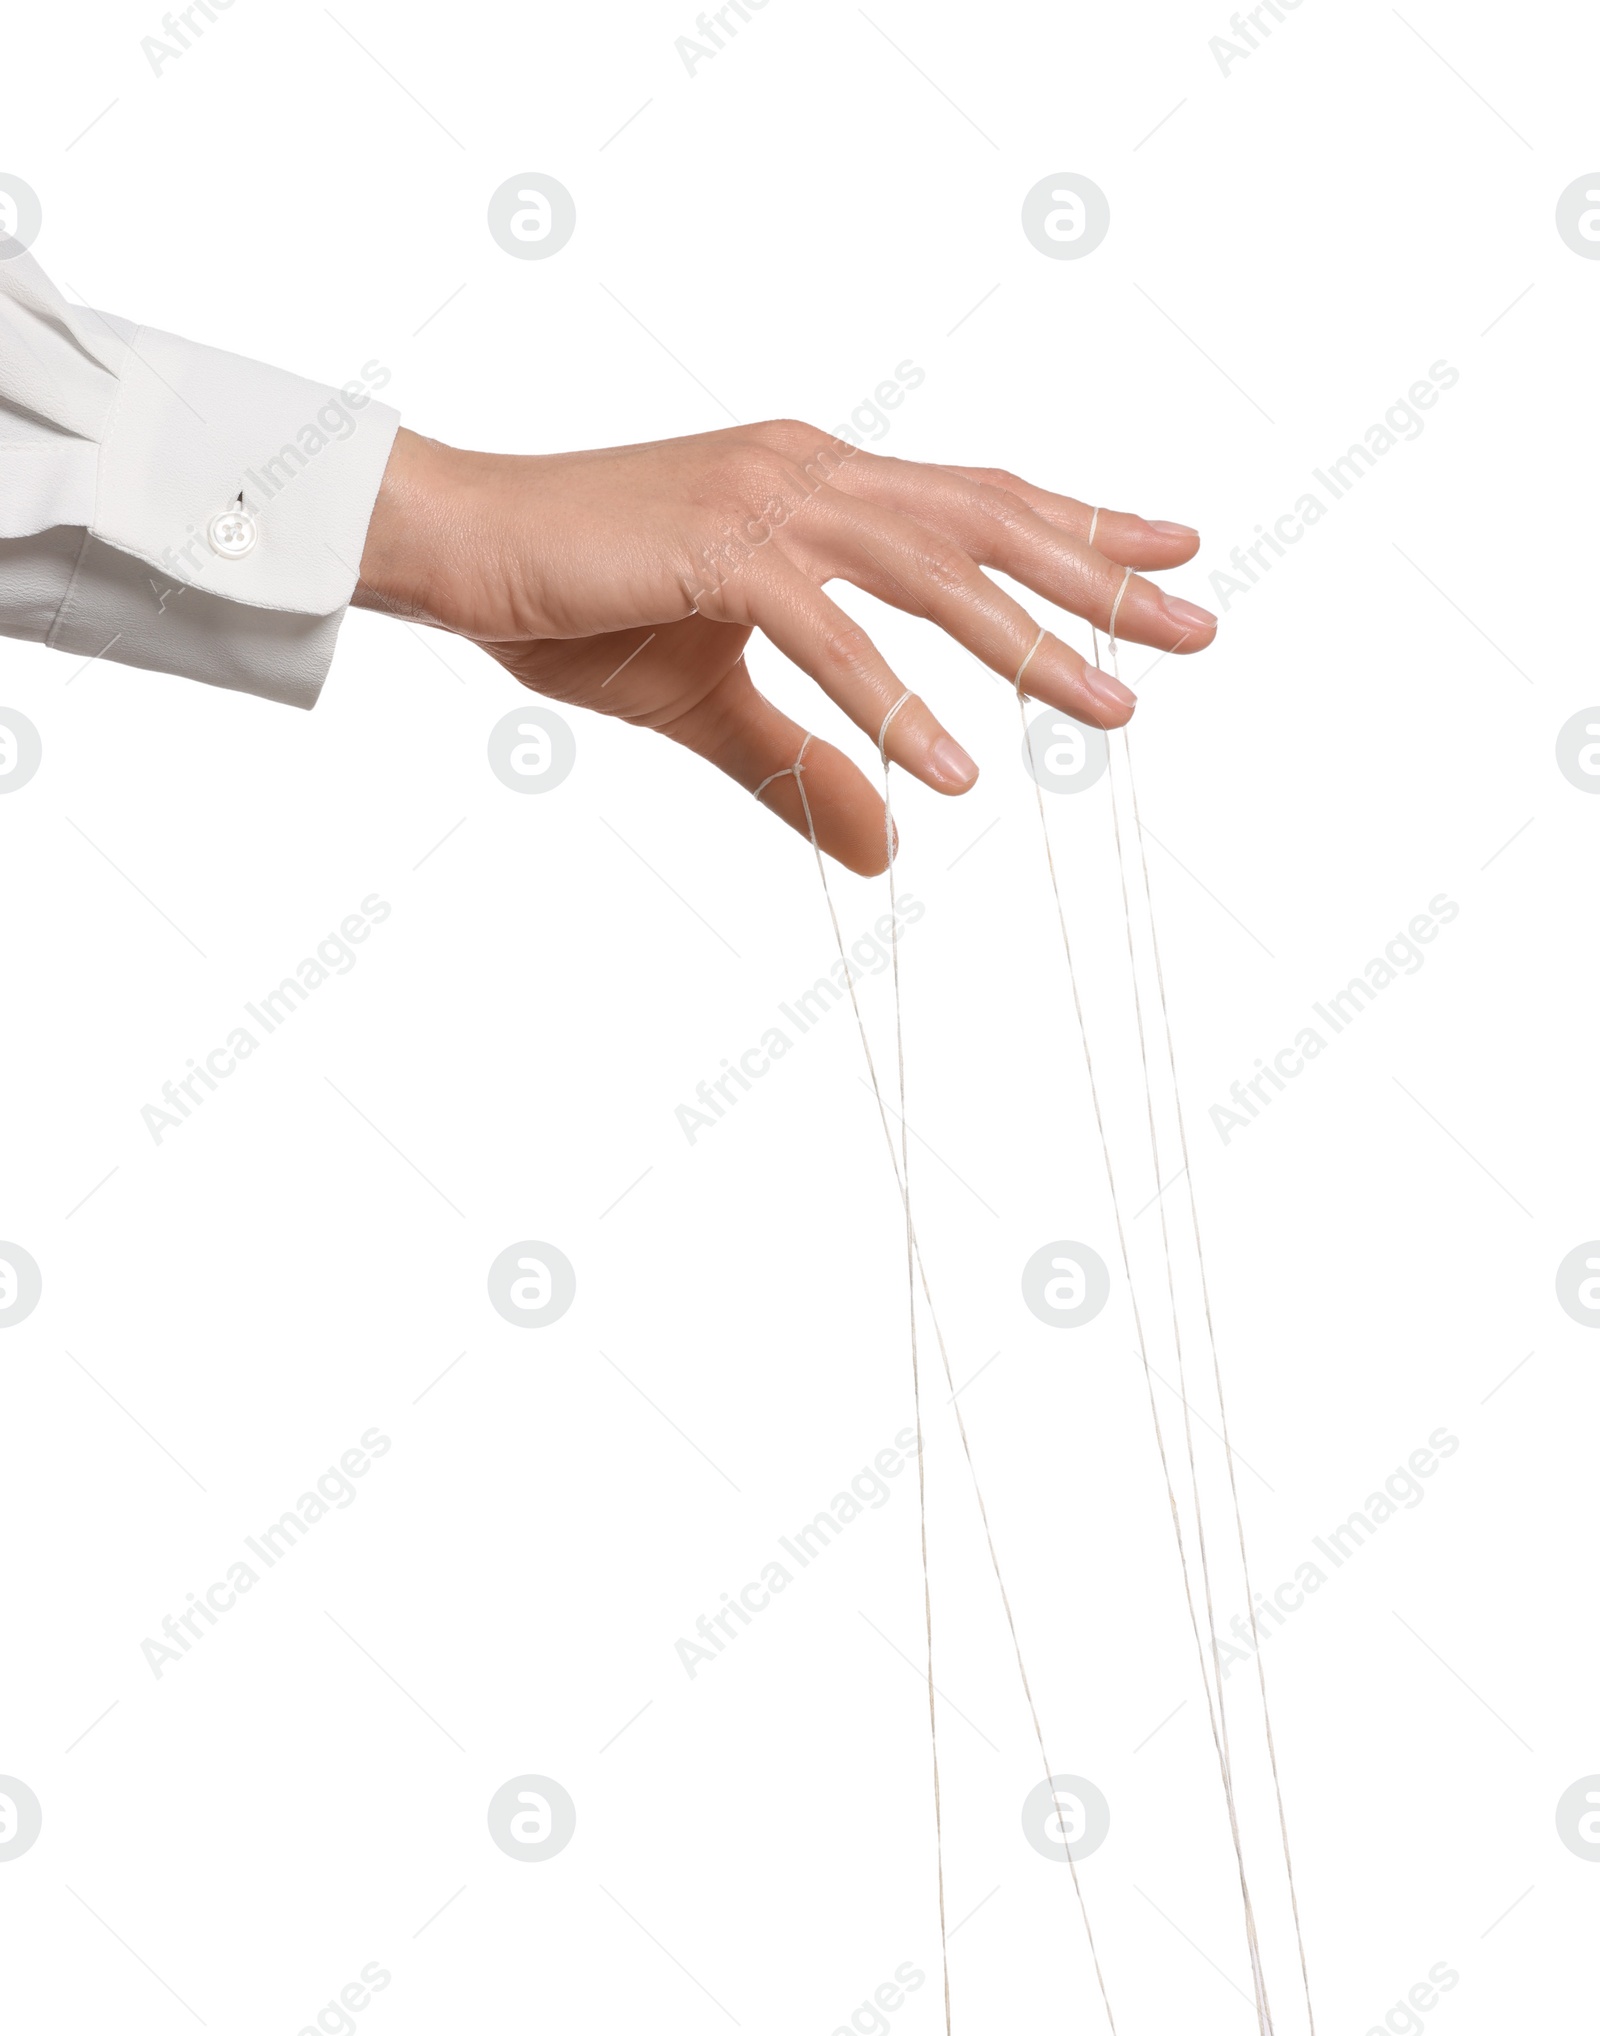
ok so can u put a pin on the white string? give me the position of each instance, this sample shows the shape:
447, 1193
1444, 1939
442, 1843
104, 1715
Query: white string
916, 1363
902, 1175
1194, 1215
797, 772
1094, 525
1216, 1365
1217, 1735
1028, 660
883, 732
916, 1269
1263, 2006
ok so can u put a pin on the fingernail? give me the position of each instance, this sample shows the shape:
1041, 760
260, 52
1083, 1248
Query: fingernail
950, 763
1108, 692
1186, 614
1173, 529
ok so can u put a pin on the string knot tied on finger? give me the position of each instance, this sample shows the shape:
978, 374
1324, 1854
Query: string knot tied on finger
789, 771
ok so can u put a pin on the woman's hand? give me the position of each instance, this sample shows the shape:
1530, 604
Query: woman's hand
628, 580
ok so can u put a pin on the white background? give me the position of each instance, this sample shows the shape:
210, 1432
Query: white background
304, 1792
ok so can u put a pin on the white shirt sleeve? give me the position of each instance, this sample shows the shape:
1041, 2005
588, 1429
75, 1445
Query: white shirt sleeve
167, 505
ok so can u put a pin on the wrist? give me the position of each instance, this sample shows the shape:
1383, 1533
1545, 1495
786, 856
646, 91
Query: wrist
419, 500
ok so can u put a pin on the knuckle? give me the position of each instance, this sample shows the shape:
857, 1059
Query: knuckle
808, 451
946, 565
846, 646
787, 433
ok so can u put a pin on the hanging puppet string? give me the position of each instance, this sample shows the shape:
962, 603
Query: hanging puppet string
1224, 1766
898, 1164
1263, 2006
917, 1271
1138, 830
904, 1175
1205, 1292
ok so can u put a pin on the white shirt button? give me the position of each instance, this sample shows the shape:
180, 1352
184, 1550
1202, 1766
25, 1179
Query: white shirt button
233, 534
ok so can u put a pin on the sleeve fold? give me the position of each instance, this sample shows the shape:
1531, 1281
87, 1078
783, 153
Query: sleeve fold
220, 505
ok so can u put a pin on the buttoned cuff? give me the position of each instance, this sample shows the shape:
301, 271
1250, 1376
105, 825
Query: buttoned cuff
231, 509
172, 506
